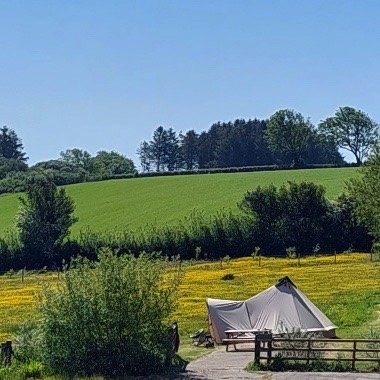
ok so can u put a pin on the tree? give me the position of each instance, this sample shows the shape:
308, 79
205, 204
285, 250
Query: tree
322, 150
77, 158
11, 145
352, 130
172, 153
110, 317
112, 163
145, 154
162, 152
10, 165
365, 191
44, 220
295, 215
189, 149
288, 135
158, 148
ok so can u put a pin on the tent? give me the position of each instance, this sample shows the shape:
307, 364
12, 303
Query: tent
280, 308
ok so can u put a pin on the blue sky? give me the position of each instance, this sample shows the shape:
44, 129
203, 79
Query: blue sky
104, 74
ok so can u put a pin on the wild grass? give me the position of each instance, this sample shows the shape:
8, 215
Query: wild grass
134, 203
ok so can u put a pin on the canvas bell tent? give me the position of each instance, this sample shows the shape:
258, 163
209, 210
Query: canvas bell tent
280, 308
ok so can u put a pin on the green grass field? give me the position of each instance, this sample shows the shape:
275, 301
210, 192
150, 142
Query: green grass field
134, 203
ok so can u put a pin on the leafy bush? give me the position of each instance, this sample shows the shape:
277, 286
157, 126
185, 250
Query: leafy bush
32, 370
228, 276
27, 343
110, 317
281, 364
9, 373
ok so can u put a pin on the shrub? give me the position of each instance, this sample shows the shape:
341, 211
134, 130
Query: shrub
32, 370
44, 220
110, 317
281, 364
228, 276
27, 343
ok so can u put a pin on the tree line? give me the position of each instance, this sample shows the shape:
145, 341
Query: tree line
287, 138
73, 165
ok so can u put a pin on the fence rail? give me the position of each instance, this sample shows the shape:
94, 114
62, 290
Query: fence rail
266, 346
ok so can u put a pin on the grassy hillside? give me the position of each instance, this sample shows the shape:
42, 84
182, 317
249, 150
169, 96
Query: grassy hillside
115, 205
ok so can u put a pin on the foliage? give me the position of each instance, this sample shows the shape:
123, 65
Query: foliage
11, 145
373, 335
349, 234
9, 373
281, 364
32, 370
27, 343
11, 251
77, 158
238, 144
289, 134
44, 220
161, 153
352, 130
291, 252
189, 150
366, 193
228, 276
10, 165
113, 163
87, 331
291, 216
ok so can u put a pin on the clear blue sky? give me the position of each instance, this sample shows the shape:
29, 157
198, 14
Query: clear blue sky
104, 74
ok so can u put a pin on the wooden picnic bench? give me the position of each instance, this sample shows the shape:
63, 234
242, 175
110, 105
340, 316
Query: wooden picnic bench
240, 336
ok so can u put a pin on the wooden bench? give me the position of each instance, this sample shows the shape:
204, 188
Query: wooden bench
235, 341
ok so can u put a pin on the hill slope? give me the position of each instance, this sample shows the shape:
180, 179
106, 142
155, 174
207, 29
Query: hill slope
115, 205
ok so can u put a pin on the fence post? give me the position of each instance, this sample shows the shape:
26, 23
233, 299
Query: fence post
353, 356
269, 358
334, 257
22, 274
6, 353
308, 351
257, 350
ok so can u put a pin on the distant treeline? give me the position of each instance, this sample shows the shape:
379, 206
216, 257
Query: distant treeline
242, 143
285, 140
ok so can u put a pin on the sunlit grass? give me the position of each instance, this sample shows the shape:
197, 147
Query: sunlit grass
348, 291
134, 203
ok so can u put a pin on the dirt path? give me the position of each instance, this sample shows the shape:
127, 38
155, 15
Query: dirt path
221, 365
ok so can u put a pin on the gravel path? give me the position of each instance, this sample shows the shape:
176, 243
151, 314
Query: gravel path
230, 365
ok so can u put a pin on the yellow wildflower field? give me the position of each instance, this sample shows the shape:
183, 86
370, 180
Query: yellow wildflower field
348, 291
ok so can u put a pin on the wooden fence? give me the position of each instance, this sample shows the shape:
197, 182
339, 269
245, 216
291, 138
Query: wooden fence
351, 350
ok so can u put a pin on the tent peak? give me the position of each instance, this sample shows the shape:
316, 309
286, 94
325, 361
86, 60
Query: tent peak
285, 281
